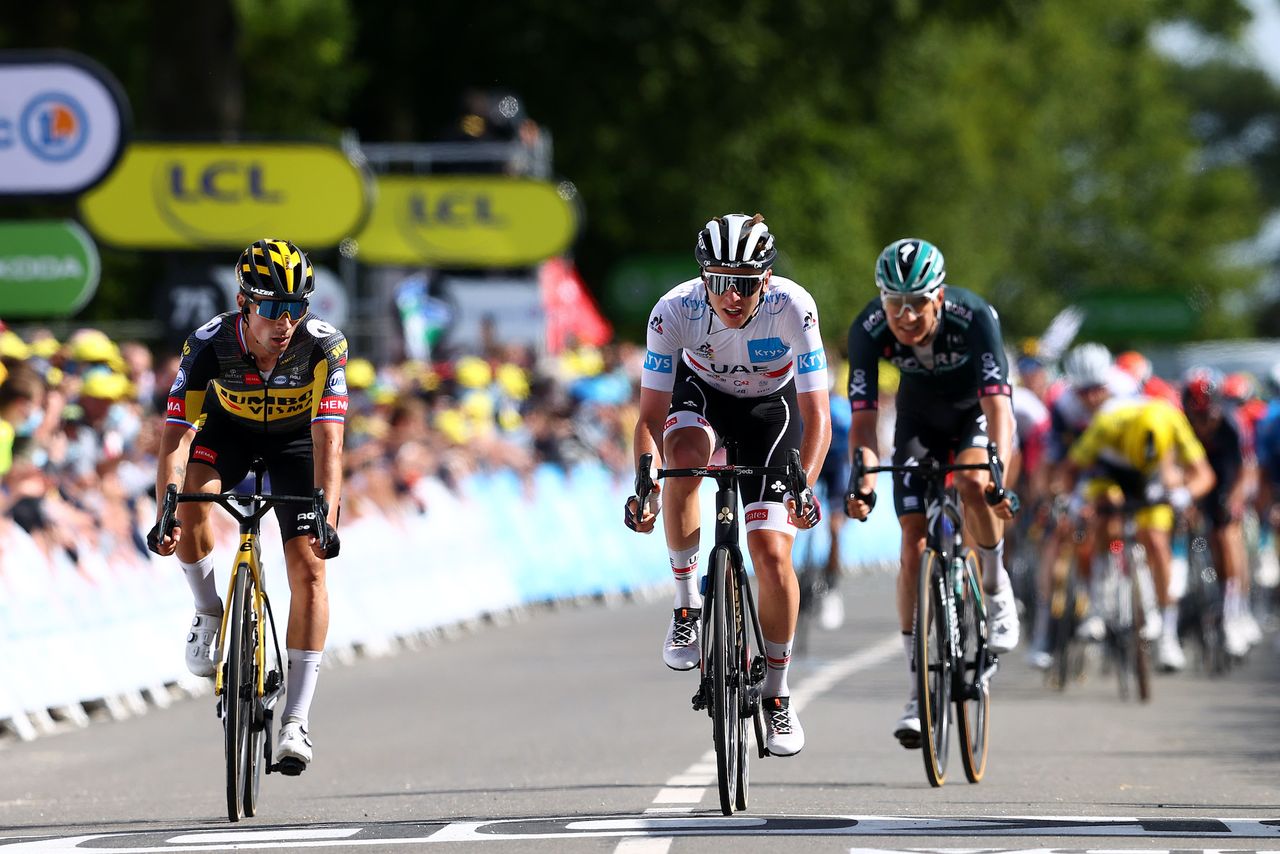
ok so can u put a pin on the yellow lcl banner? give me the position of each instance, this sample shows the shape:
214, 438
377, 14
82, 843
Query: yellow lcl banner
466, 221
226, 195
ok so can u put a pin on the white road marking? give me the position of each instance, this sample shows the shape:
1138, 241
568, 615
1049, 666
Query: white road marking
653, 834
232, 836
690, 786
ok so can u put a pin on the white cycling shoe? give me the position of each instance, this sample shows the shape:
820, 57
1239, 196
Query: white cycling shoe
831, 615
1003, 628
293, 753
783, 734
200, 643
681, 650
907, 729
1169, 654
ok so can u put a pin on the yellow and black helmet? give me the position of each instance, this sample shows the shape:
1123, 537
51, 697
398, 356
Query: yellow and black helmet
275, 269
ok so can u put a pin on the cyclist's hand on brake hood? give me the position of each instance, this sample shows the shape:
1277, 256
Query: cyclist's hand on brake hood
164, 546
334, 544
644, 522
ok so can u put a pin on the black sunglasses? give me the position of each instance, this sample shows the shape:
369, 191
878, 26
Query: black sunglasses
272, 309
745, 285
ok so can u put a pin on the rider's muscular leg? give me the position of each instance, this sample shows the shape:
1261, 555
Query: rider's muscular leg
913, 536
779, 590
1159, 556
981, 521
195, 548
686, 448
309, 598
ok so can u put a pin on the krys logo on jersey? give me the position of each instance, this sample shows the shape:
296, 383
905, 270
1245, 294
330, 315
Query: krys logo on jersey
766, 349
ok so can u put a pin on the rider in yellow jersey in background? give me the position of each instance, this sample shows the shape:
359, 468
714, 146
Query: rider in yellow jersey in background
1143, 449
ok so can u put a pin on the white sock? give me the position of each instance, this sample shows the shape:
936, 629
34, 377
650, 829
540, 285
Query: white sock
778, 658
684, 569
994, 576
909, 647
204, 587
304, 670
1171, 620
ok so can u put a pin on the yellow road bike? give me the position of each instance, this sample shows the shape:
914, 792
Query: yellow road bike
249, 680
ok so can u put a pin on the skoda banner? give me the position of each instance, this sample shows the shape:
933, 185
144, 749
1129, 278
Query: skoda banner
47, 269
466, 221
63, 122
225, 196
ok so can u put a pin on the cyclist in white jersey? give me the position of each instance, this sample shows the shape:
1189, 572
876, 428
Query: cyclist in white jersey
735, 353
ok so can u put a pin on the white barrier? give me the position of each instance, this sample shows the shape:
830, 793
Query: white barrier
108, 631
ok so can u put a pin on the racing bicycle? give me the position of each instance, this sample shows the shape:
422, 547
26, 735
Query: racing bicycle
733, 663
250, 676
951, 659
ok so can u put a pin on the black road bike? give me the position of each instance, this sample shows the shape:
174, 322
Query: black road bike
250, 676
951, 661
733, 663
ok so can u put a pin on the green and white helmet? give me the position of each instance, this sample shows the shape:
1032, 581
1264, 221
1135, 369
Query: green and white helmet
910, 266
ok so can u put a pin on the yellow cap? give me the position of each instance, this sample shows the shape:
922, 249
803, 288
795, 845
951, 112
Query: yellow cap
453, 425
93, 345
45, 347
12, 346
105, 385
360, 374
473, 372
513, 380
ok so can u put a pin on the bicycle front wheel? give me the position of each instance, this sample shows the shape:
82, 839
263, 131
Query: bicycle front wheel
742, 655
973, 700
235, 709
726, 727
1141, 646
256, 723
933, 667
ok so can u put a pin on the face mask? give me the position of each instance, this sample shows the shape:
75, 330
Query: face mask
30, 425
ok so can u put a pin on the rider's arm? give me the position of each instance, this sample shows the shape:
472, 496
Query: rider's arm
815, 412
171, 460
326, 438
654, 405
999, 414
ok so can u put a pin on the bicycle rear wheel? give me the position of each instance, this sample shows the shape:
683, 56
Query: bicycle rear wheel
933, 668
724, 696
973, 702
235, 709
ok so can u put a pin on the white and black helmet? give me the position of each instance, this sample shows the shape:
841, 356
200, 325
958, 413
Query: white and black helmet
1087, 365
736, 240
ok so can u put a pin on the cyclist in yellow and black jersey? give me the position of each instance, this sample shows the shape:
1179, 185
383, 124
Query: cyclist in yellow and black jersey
265, 381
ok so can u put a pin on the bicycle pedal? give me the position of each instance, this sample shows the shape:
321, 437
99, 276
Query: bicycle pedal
288, 766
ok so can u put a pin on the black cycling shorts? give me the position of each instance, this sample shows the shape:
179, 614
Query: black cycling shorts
939, 435
230, 449
763, 428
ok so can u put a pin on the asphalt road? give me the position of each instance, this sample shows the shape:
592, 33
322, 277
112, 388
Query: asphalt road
563, 731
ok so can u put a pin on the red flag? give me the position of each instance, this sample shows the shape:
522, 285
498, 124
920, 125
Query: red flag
572, 313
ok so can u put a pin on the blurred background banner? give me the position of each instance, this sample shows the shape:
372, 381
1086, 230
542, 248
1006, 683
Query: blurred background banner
219, 195
47, 268
63, 121
466, 221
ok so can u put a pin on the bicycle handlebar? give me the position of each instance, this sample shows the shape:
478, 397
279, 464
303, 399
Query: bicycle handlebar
793, 474
319, 508
931, 468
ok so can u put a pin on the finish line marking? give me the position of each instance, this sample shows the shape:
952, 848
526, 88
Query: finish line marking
654, 833
690, 786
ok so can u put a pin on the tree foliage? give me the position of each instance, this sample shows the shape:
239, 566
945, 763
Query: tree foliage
1047, 147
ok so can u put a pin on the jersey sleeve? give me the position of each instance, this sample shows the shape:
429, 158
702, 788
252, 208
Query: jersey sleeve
198, 367
329, 373
991, 364
864, 358
1084, 450
660, 351
1188, 447
806, 343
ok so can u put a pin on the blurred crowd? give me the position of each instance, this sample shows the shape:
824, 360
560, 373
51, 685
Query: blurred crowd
80, 422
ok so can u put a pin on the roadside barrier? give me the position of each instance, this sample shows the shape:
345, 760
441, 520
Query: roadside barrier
104, 634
